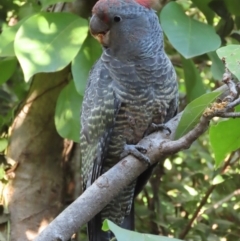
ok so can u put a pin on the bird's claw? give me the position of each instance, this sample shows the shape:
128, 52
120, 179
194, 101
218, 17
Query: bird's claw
158, 127
141, 149
161, 127
138, 151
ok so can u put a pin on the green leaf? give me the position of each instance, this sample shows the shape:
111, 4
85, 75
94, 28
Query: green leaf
193, 112
67, 113
187, 35
28, 9
231, 53
233, 6
193, 81
7, 68
47, 42
126, 235
217, 67
105, 226
46, 3
7, 39
3, 144
217, 180
83, 62
192, 191
224, 138
2, 172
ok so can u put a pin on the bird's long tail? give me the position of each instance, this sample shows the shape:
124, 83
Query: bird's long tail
128, 222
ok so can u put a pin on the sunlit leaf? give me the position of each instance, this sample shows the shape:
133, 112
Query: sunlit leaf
231, 53
7, 68
224, 138
193, 81
67, 114
3, 144
126, 235
2, 172
192, 191
217, 180
84, 61
187, 35
193, 112
47, 42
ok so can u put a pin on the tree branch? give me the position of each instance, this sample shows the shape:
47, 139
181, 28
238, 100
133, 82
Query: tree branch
106, 187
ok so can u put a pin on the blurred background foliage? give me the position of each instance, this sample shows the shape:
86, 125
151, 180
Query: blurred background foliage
195, 199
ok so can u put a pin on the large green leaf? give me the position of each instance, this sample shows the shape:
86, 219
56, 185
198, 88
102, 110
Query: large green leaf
225, 138
231, 53
189, 36
126, 235
193, 81
84, 61
193, 112
67, 114
7, 68
47, 42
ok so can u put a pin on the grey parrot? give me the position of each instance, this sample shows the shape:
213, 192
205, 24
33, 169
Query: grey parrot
131, 89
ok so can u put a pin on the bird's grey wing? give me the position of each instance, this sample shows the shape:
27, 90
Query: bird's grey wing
99, 109
166, 94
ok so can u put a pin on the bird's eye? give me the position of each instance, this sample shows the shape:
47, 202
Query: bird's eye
117, 19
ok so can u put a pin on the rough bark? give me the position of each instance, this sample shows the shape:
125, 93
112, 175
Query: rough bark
35, 193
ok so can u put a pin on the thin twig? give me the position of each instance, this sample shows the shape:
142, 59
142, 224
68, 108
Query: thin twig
234, 103
229, 114
228, 80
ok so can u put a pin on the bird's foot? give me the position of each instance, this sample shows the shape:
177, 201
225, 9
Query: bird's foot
137, 151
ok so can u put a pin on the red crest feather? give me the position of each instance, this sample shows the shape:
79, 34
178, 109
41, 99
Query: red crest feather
145, 3
104, 4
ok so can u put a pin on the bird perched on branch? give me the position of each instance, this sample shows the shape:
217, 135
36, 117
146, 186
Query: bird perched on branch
131, 91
